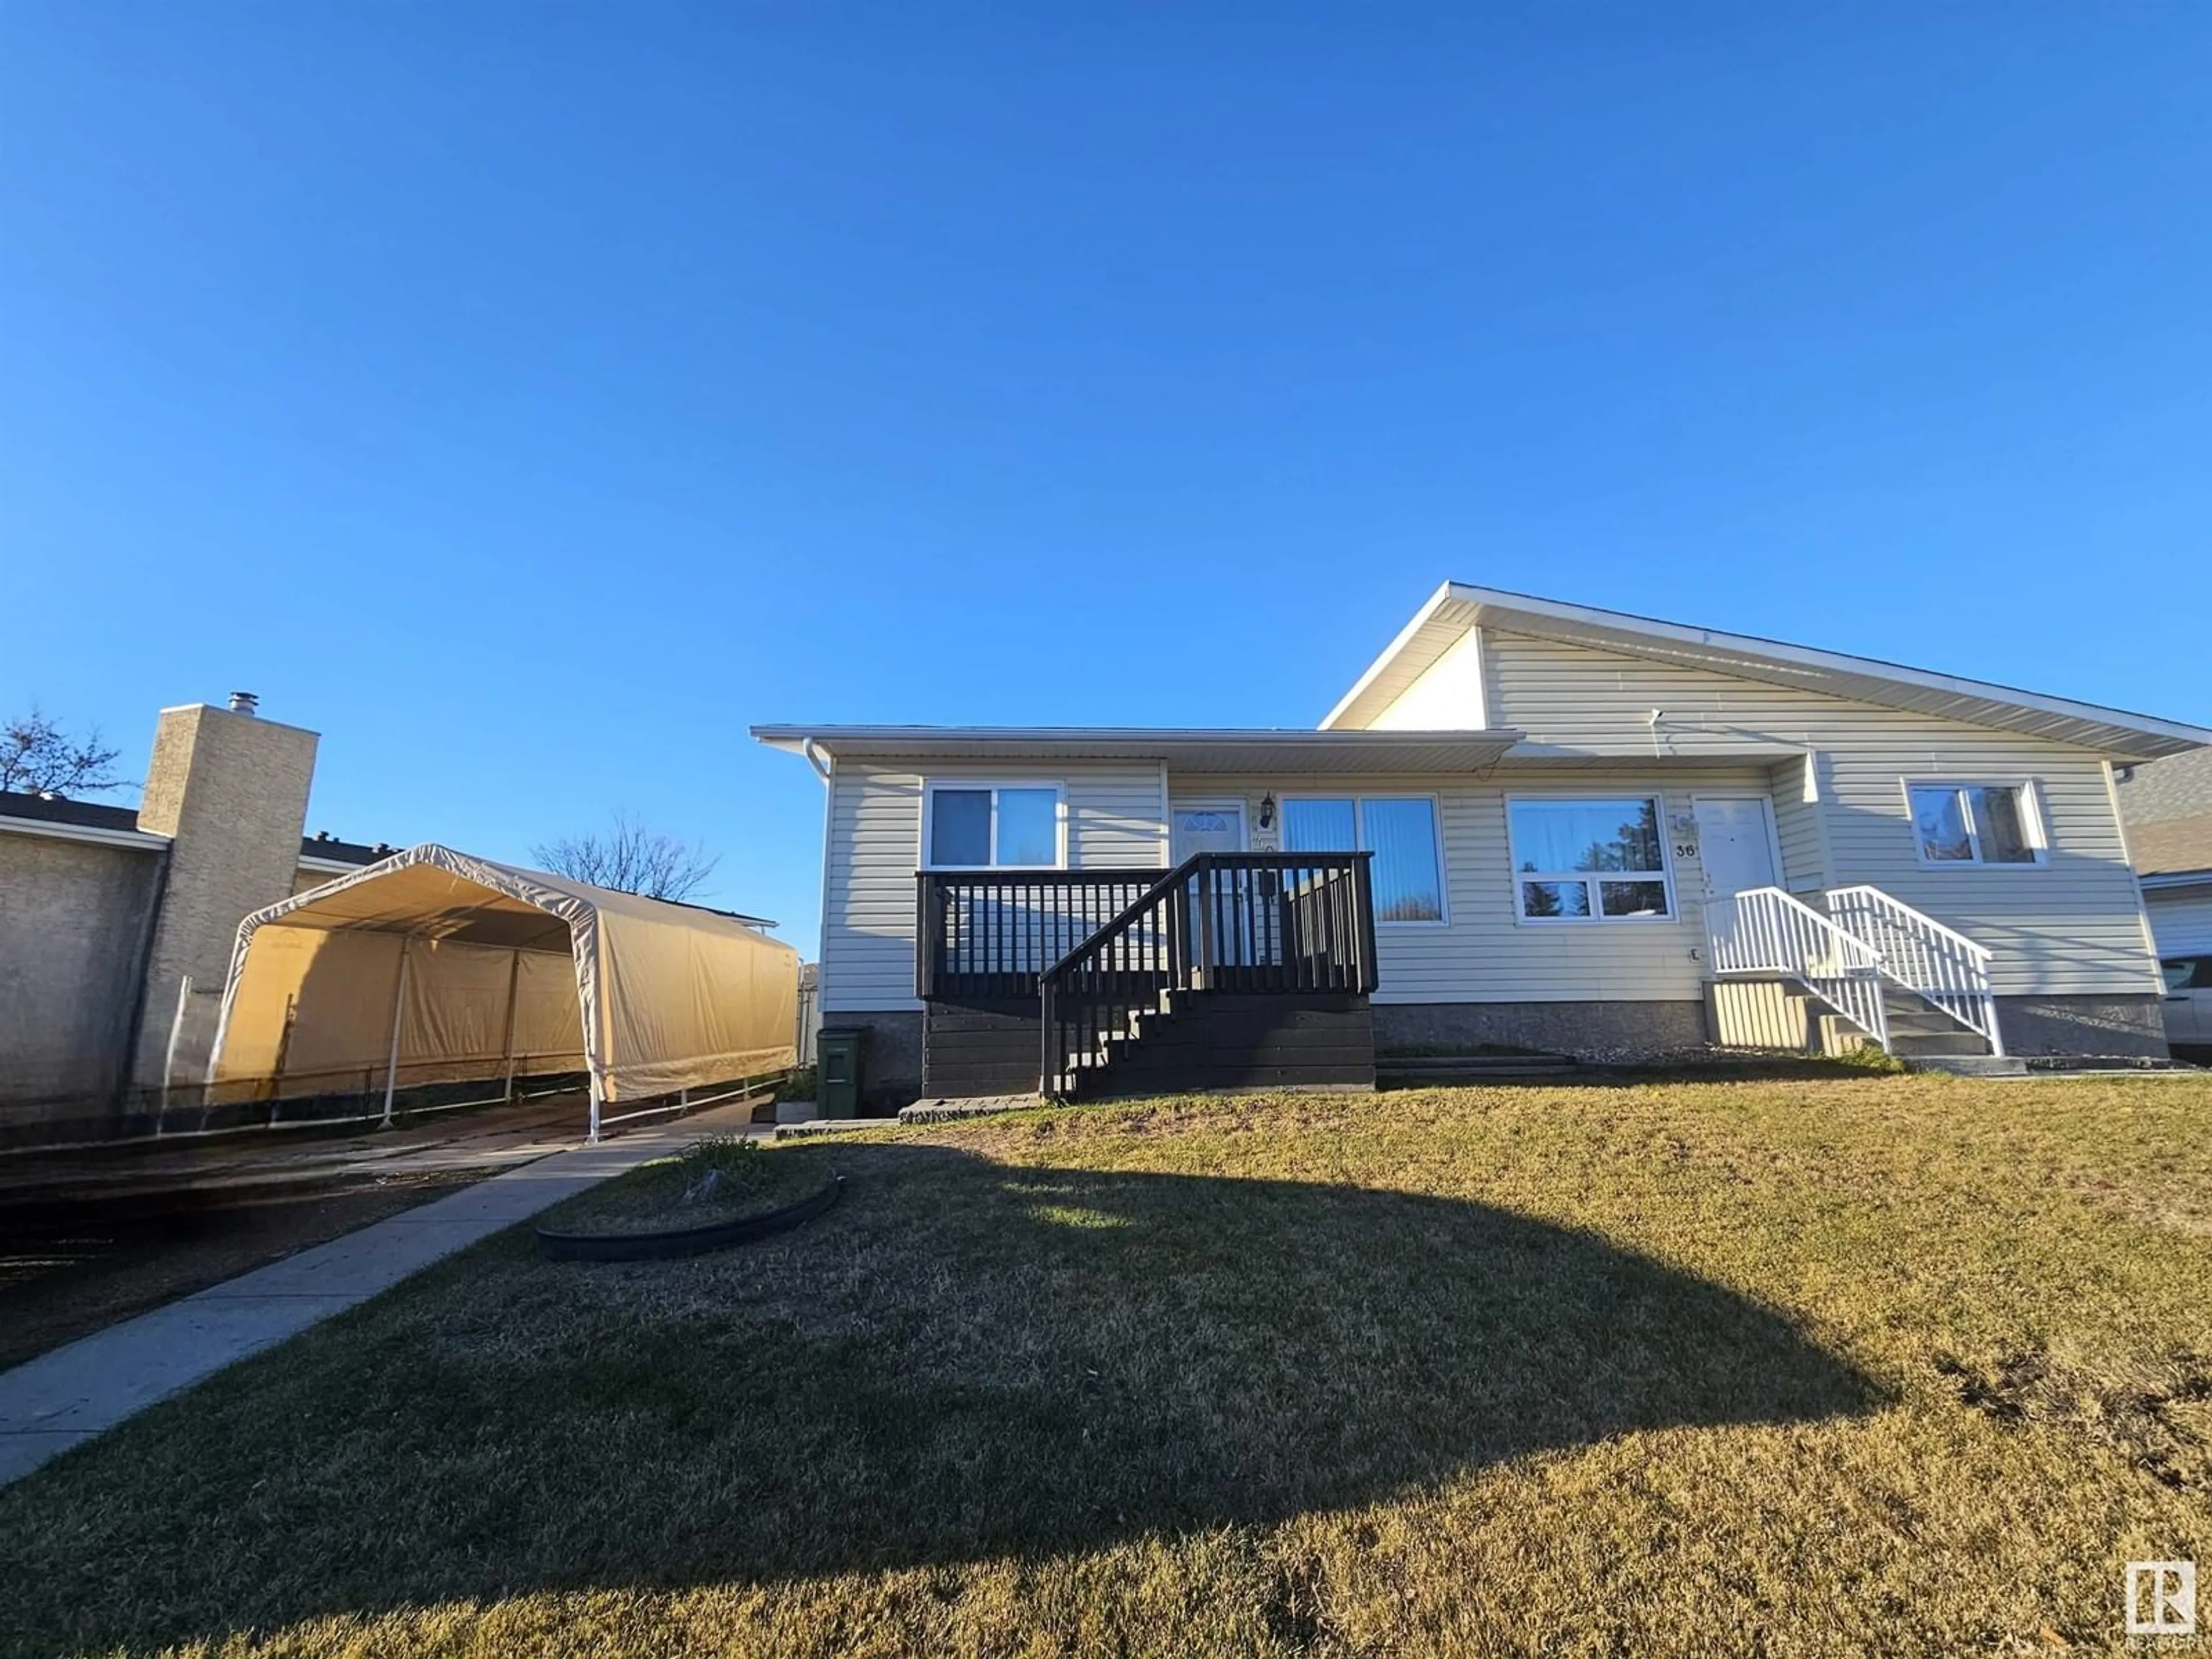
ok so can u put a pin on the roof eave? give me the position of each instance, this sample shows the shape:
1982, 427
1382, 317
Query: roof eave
1196, 748
1381, 664
2109, 731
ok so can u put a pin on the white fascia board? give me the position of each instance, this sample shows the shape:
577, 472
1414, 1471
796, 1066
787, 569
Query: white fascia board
1523, 612
333, 867
1381, 665
1837, 662
137, 839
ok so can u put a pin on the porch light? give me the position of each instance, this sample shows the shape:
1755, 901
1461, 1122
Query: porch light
1267, 811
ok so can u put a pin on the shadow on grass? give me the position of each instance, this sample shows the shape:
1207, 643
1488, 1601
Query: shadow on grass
967, 1359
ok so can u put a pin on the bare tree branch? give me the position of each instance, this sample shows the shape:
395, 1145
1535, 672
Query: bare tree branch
37, 757
630, 859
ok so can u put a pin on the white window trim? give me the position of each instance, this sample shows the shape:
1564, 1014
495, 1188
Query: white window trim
2031, 798
1597, 918
931, 786
1358, 797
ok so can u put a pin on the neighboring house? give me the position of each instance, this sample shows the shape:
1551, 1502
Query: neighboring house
116, 925
2167, 805
1529, 823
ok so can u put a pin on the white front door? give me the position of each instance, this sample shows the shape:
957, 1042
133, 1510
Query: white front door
1195, 827
1735, 844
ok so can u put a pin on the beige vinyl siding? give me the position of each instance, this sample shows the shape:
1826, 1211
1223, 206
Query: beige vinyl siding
1794, 787
2182, 920
2070, 927
1116, 819
1484, 952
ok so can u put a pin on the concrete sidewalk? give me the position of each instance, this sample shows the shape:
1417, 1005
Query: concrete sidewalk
51, 1403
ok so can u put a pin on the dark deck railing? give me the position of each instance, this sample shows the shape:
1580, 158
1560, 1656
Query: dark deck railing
1258, 922
989, 934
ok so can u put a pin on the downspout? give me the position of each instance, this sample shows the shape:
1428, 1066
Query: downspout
825, 768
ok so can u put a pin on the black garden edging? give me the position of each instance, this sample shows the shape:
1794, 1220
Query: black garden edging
687, 1240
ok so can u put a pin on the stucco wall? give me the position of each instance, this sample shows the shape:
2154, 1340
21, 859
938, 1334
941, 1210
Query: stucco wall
73, 922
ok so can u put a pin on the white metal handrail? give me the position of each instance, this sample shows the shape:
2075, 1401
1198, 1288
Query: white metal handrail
1939, 965
1766, 931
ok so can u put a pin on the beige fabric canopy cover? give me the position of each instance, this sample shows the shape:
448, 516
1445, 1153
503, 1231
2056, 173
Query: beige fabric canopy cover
436, 967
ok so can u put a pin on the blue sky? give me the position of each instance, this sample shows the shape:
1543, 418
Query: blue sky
530, 397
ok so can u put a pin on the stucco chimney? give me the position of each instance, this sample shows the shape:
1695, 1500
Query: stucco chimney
230, 790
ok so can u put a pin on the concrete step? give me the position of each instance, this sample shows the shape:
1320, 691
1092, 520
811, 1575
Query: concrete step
1966, 1065
1926, 1025
1953, 1044
2105, 1063
1469, 1068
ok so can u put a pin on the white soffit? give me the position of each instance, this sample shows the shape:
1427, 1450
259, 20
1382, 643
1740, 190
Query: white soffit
1455, 607
1186, 751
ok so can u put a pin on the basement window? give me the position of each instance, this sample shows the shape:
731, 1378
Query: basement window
1976, 824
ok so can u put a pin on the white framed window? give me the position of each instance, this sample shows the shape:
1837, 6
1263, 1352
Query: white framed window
1408, 869
1997, 825
1592, 859
993, 826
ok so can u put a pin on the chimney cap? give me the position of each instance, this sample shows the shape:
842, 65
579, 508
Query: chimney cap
244, 702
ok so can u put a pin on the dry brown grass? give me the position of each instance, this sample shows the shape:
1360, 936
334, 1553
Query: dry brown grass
1899, 1365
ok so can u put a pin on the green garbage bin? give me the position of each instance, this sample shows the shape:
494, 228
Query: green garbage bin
838, 1050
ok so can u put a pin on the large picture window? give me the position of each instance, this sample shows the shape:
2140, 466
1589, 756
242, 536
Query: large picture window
1401, 830
1590, 860
986, 826
1975, 824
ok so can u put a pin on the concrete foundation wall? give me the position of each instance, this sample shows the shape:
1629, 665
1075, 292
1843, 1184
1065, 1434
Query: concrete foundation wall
74, 917
1587, 1030
2116, 1025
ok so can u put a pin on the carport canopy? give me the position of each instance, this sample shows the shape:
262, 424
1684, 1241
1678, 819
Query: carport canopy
441, 967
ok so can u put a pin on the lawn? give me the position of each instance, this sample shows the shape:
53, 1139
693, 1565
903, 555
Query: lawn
722, 1178
1909, 1365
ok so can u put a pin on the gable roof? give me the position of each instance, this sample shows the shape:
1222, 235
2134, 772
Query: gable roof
1455, 607
2167, 807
